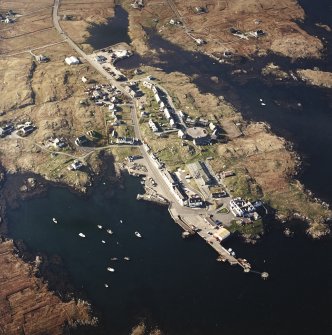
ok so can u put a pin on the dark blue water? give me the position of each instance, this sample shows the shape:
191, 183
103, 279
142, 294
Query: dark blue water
173, 283
114, 31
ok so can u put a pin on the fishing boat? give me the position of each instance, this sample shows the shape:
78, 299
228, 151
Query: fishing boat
126, 258
121, 221
263, 104
110, 269
138, 234
81, 235
106, 285
99, 226
114, 259
102, 241
54, 220
109, 231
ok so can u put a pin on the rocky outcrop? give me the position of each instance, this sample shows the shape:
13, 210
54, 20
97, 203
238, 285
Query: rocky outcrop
316, 77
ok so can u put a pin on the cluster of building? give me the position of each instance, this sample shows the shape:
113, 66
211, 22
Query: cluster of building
138, 4
244, 35
201, 131
242, 208
133, 90
23, 129
76, 165
58, 143
109, 96
112, 55
193, 200
8, 17
164, 106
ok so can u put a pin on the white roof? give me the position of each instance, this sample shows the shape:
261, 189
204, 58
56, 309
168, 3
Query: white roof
72, 60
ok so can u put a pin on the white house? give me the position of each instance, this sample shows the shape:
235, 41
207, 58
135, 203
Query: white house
72, 60
153, 126
182, 134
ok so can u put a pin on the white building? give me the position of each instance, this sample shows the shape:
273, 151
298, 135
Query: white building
157, 97
182, 134
172, 123
167, 113
72, 60
148, 85
153, 126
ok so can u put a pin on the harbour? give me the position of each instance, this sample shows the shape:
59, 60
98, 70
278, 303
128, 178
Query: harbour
165, 269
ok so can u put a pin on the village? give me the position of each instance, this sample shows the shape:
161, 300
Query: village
134, 111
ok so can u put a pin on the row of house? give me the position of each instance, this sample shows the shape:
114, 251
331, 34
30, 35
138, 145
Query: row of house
163, 106
192, 201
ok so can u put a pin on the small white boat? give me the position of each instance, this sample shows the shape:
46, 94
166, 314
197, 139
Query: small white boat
114, 259
54, 220
263, 104
121, 221
99, 226
102, 241
81, 235
106, 285
109, 231
138, 234
110, 269
261, 100
126, 258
